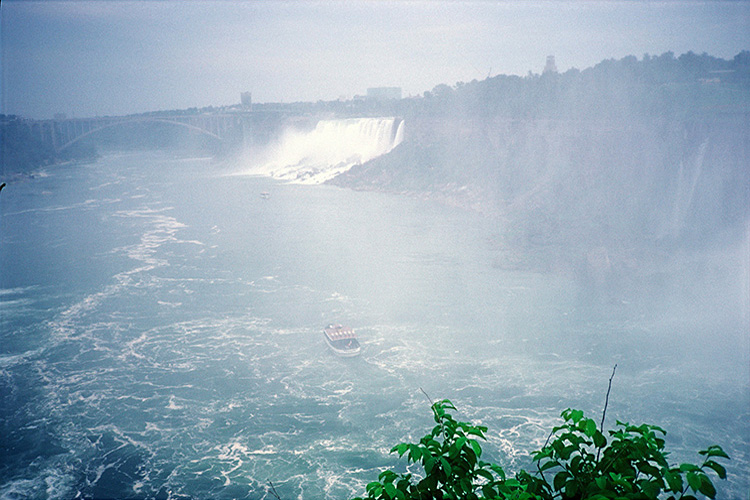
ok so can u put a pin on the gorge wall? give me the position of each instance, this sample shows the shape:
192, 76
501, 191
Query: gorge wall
663, 179
629, 151
632, 177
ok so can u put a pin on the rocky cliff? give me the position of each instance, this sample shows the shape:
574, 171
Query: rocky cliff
626, 151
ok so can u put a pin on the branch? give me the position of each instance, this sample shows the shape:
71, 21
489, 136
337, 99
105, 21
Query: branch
606, 400
273, 491
604, 412
428, 397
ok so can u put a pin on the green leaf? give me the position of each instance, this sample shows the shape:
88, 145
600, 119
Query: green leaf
571, 487
465, 485
390, 490
433, 446
477, 431
499, 471
658, 429
590, 428
674, 480
567, 451
415, 453
475, 446
488, 491
387, 476
714, 451
446, 466
689, 467
648, 469
374, 489
576, 415
660, 458
707, 487
513, 483
651, 488
446, 403
400, 449
559, 482
694, 480
485, 474
718, 452
461, 442
549, 465
599, 440
718, 468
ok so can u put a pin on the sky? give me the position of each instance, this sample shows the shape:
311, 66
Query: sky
102, 57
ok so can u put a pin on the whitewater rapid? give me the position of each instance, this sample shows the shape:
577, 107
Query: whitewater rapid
331, 148
161, 337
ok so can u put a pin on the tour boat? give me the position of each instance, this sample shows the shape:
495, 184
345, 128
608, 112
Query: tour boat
342, 340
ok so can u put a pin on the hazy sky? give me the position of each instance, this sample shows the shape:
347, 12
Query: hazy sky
99, 57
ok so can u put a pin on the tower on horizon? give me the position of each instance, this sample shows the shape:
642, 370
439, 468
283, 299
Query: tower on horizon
550, 66
246, 99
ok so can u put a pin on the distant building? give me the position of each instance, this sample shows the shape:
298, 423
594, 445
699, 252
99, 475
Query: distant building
383, 93
246, 99
550, 66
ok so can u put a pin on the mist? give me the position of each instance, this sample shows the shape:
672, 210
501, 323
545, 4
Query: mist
503, 201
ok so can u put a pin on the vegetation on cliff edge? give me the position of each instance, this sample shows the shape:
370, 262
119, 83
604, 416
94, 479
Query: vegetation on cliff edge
579, 461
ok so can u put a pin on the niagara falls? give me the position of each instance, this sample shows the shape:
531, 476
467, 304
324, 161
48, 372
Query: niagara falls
374, 250
330, 149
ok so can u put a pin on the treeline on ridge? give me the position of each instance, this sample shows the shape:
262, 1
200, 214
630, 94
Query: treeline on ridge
662, 85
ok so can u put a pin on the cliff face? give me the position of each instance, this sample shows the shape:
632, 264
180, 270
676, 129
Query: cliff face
660, 179
627, 151
611, 204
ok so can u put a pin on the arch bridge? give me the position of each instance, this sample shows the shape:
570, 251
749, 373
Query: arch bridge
63, 133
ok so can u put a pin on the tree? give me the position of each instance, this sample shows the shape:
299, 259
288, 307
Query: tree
580, 462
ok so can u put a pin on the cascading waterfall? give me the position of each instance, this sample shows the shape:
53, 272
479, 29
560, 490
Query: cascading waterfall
331, 148
687, 182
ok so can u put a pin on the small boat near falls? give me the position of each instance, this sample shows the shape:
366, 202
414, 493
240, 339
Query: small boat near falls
342, 340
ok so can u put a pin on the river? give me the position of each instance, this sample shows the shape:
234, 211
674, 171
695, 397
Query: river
162, 337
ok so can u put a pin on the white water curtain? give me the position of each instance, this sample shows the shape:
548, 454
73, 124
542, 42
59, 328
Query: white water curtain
332, 147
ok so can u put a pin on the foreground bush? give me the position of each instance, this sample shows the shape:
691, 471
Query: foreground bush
578, 462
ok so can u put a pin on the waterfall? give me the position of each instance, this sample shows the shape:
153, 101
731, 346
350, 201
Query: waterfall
687, 182
331, 148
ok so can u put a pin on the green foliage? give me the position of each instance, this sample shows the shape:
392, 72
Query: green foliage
579, 461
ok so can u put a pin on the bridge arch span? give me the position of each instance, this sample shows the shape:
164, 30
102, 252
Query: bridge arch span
139, 120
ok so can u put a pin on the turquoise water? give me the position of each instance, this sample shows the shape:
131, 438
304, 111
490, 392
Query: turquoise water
161, 337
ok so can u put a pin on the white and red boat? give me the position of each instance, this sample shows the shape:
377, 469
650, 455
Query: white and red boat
342, 340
